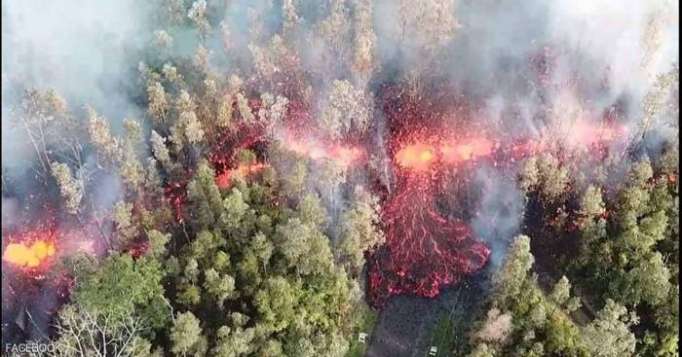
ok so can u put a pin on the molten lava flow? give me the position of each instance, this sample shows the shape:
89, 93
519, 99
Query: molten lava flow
421, 156
346, 156
424, 250
417, 157
30, 255
176, 195
224, 179
467, 150
590, 134
343, 155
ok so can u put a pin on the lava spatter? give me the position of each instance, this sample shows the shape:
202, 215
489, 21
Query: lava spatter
31, 250
424, 250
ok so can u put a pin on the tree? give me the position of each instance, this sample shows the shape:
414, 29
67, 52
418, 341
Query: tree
346, 109
234, 342
123, 218
513, 275
197, 13
131, 169
50, 128
157, 243
364, 39
609, 334
115, 307
561, 291
430, 23
311, 211
276, 303
70, 187
482, 350
122, 287
591, 203
305, 248
220, 286
294, 179
86, 332
496, 328
649, 281
160, 150
272, 109
546, 175
359, 230
158, 105
244, 109
563, 336
204, 196
186, 336
108, 146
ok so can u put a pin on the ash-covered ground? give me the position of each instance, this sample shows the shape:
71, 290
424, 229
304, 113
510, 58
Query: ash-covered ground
407, 325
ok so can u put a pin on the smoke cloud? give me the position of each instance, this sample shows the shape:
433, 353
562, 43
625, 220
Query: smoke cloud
87, 51
518, 62
500, 211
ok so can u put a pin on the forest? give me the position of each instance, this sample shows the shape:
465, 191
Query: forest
286, 177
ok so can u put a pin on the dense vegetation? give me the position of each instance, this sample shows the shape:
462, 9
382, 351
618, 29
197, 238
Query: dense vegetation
272, 262
614, 256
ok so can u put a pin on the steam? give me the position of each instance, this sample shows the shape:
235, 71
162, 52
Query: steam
594, 54
500, 211
85, 50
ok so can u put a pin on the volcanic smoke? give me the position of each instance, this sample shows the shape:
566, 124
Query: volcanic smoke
425, 248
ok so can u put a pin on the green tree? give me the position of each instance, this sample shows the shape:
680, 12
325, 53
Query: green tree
513, 274
359, 230
609, 334
186, 336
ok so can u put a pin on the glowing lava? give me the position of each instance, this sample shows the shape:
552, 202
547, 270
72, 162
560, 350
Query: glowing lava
586, 134
468, 150
343, 155
418, 157
224, 179
424, 250
29, 256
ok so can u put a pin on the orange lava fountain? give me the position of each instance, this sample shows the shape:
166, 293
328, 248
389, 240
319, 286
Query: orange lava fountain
33, 255
417, 157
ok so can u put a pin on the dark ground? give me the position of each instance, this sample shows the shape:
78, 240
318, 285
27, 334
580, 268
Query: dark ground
406, 325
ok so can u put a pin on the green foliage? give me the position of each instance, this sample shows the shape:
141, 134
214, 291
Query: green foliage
304, 247
513, 276
359, 230
122, 286
204, 197
365, 321
609, 334
628, 253
186, 336
536, 324
546, 175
